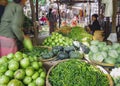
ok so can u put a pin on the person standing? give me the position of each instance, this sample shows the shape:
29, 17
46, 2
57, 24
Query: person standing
3, 4
52, 21
10, 27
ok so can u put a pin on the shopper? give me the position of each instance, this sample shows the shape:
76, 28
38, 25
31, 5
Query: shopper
10, 27
95, 25
51, 20
3, 4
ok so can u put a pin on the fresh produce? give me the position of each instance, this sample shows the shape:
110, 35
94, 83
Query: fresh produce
68, 52
57, 39
101, 52
39, 52
81, 47
15, 82
115, 73
21, 72
79, 34
77, 73
76, 54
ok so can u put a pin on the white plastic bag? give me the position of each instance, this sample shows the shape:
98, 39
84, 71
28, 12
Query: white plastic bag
112, 37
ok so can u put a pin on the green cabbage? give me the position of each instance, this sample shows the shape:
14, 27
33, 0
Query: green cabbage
101, 44
104, 54
94, 42
115, 45
98, 57
94, 49
110, 60
113, 53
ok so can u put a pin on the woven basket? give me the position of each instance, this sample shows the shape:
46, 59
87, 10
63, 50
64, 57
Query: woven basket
102, 70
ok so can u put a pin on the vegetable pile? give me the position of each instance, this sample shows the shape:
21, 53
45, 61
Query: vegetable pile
66, 52
57, 39
19, 70
77, 73
79, 34
39, 52
101, 52
115, 73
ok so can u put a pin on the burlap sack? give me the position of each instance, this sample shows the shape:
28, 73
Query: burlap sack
98, 35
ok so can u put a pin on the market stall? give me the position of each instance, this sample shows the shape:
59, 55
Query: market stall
70, 56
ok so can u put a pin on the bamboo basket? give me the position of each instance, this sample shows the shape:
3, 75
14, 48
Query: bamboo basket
99, 67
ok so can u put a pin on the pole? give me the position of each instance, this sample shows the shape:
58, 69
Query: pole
114, 16
37, 10
34, 21
59, 14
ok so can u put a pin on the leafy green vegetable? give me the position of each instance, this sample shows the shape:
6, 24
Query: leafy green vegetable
76, 55
77, 73
94, 49
101, 52
110, 60
113, 53
79, 34
39, 52
94, 42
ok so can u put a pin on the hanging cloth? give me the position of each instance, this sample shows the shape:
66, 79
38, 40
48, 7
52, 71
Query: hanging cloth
108, 8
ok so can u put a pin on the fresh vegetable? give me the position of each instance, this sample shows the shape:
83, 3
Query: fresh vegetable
79, 34
39, 52
76, 55
63, 55
77, 73
57, 39
21, 72
101, 52
15, 82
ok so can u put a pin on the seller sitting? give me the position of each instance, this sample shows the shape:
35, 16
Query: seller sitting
95, 25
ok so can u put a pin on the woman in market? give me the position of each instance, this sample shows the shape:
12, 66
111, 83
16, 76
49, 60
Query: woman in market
3, 4
10, 27
52, 20
95, 25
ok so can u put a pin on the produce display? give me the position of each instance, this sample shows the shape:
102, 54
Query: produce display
39, 52
101, 52
19, 70
115, 73
79, 34
77, 73
57, 39
68, 52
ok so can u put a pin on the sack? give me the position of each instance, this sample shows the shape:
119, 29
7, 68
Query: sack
98, 35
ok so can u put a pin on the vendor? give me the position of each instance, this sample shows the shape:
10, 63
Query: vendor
95, 25
10, 27
52, 21
3, 4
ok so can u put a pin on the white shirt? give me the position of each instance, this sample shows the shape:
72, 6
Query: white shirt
108, 8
